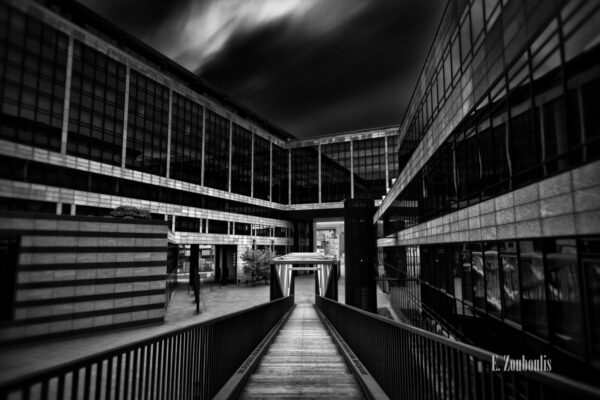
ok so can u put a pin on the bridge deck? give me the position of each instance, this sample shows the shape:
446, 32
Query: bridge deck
302, 363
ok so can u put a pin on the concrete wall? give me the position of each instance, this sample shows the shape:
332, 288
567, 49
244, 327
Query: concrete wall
83, 274
564, 205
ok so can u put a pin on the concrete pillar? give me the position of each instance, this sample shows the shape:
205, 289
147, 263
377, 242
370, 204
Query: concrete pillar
252, 166
387, 167
67, 100
203, 145
351, 169
125, 117
319, 166
270, 169
230, 153
170, 124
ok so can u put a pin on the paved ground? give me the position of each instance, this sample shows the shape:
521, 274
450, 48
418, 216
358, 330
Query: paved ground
18, 360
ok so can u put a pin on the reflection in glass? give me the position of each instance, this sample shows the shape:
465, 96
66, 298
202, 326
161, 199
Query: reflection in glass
477, 276
492, 279
510, 281
564, 299
591, 269
532, 283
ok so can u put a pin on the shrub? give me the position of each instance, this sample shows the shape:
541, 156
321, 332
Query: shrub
257, 264
130, 212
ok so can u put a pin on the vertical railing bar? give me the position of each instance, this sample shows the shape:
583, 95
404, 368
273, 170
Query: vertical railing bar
126, 384
60, 390
187, 357
44, 392
98, 386
145, 365
155, 363
87, 386
134, 374
118, 377
75, 384
109, 378
161, 376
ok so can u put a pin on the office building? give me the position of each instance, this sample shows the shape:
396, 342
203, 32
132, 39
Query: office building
491, 232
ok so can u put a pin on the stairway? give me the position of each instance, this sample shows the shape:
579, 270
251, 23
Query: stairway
302, 363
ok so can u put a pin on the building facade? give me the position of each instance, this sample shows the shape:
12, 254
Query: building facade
492, 228
93, 119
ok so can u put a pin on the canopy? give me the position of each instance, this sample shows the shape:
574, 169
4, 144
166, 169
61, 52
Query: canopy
304, 258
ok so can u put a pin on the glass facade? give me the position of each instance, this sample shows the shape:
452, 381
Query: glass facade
241, 160
147, 127
186, 140
96, 106
535, 286
369, 168
305, 175
537, 120
216, 156
32, 80
262, 168
280, 182
508, 97
335, 172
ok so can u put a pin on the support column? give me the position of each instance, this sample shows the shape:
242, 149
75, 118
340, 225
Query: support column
270, 169
387, 169
195, 274
67, 100
169, 125
203, 145
252, 165
359, 246
125, 117
351, 169
230, 152
289, 176
319, 166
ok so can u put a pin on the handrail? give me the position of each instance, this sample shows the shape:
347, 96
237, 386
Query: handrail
409, 362
187, 363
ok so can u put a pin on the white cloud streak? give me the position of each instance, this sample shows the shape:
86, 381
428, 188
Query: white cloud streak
207, 27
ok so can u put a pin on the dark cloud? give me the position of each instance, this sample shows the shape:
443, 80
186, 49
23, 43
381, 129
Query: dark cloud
145, 19
308, 80
358, 76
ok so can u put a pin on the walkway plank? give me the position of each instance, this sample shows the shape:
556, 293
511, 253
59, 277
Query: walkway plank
302, 363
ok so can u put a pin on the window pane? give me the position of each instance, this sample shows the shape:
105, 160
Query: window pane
510, 281
532, 283
477, 273
465, 38
466, 273
492, 279
563, 290
590, 259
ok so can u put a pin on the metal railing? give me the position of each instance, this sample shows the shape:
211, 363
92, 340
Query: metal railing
411, 363
188, 363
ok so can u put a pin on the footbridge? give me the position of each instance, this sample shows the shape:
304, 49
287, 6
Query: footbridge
283, 350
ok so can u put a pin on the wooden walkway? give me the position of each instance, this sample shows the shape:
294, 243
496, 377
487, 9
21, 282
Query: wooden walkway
303, 362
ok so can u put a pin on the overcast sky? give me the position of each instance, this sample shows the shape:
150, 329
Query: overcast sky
312, 67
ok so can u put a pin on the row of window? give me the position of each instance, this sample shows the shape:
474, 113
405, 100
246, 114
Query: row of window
33, 59
467, 31
35, 86
35, 172
367, 161
549, 288
540, 120
96, 106
191, 224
